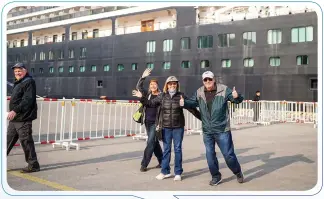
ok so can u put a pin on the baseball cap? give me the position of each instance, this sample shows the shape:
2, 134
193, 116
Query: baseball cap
18, 65
208, 74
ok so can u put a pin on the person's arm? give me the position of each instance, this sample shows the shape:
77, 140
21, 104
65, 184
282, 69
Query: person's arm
190, 102
152, 103
28, 99
233, 96
140, 87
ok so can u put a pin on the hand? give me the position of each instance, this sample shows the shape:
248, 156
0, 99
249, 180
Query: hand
147, 72
11, 115
234, 93
103, 97
137, 93
181, 101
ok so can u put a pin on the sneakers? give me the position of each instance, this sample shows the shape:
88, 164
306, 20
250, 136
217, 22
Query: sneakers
143, 169
161, 176
31, 168
177, 178
240, 177
215, 181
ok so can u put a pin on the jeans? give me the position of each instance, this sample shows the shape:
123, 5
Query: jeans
175, 134
153, 145
225, 143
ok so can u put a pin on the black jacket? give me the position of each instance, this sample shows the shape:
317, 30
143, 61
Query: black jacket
256, 98
147, 94
23, 100
171, 112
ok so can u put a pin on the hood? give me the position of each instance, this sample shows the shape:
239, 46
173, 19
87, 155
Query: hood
171, 79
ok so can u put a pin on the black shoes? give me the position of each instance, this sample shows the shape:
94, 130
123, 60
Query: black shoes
143, 169
215, 181
240, 177
31, 168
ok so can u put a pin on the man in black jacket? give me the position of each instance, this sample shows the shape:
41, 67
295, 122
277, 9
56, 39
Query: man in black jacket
22, 111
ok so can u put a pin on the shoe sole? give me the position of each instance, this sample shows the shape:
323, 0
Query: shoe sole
216, 183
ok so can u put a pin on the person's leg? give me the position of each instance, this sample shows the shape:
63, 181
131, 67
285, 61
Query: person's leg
225, 143
24, 130
167, 141
12, 136
177, 142
148, 152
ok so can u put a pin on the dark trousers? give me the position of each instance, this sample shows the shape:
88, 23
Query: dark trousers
23, 132
256, 110
225, 143
153, 145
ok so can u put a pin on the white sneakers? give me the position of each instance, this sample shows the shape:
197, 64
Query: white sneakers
177, 178
161, 176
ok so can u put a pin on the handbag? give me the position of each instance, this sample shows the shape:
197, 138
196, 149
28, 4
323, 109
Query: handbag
138, 115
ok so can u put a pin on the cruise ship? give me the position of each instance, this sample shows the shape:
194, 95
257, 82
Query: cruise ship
93, 51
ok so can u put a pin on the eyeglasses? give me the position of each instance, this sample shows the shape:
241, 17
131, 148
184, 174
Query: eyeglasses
208, 79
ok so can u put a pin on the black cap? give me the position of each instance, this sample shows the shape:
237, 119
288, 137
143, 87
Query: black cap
19, 65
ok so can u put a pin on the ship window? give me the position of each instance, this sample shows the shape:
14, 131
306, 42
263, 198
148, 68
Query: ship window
274, 36
83, 52
82, 69
37, 40
248, 62
99, 84
61, 69
15, 43
185, 64
32, 70
34, 57
302, 34
54, 38
93, 68
63, 37
17, 58
85, 35
41, 70
150, 65
74, 36
249, 38
134, 66
120, 67
166, 65
226, 40
42, 56
274, 61
61, 54
95, 33
71, 69
313, 84
106, 68
22, 43
45, 39
51, 69
150, 46
226, 63
50, 55
71, 53
205, 41
204, 64
185, 43
302, 60
167, 45
25, 57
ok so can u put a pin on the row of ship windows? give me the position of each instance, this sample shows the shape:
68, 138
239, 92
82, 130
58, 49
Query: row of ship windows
300, 34
226, 63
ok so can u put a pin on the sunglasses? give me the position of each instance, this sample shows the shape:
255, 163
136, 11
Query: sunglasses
172, 83
208, 79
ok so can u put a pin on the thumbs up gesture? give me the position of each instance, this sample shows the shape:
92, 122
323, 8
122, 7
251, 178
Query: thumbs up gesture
234, 93
181, 101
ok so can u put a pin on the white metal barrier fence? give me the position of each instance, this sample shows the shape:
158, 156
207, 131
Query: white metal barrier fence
63, 121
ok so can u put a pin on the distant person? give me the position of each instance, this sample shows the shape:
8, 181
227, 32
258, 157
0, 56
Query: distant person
257, 106
150, 112
172, 121
212, 101
22, 111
